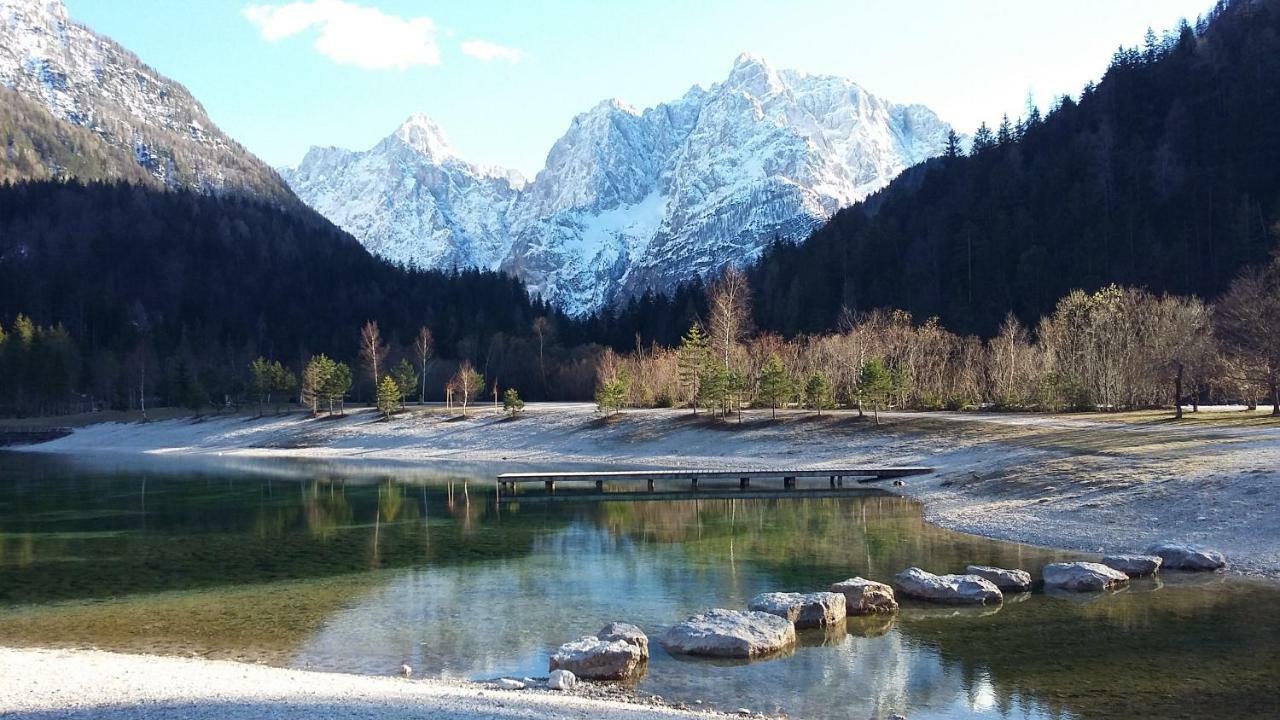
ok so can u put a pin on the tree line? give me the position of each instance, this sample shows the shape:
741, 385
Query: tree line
1115, 348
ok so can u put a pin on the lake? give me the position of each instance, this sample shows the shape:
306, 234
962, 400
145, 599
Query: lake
341, 568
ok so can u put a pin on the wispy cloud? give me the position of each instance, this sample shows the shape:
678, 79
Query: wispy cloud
352, 34
488, 52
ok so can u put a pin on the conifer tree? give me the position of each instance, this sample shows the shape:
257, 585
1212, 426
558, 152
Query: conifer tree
511, 402
875, 384
406, 378
611, 393
691, 363
775, 385
983, 139
817, 392
389, 396
261, 381
953, 145
1005, 136
283, 381
315, 381
337, 386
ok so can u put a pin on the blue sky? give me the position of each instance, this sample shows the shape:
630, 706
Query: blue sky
504, 77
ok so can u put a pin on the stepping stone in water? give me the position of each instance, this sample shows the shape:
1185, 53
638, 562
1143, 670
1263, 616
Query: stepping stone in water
1006, 580
730, 633
1176, 556
628, 633
1134, 565
596, 659
1082, 576
806, 610
951, 589
865, 597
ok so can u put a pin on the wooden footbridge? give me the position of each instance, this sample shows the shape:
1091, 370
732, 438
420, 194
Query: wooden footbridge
836, 476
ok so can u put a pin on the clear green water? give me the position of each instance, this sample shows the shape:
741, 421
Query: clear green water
311, 565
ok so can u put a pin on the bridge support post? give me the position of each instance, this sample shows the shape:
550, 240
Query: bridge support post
788, 482
599, 485
833, 481
551, 486
744, 483
650, 484
695, 483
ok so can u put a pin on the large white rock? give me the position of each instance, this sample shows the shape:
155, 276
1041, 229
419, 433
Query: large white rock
1176, 556
628, 633
562, 680
865, 597
1134, 565
953, 589
1006, 580
806, 610
730, 633
509, 684
596, 659
1082, 576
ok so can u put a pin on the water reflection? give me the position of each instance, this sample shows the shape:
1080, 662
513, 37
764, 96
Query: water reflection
322, 567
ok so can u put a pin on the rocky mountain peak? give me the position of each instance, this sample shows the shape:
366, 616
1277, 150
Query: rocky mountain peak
752, 74
421, 133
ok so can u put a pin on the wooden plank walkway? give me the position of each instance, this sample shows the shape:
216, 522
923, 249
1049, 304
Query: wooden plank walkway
836, 476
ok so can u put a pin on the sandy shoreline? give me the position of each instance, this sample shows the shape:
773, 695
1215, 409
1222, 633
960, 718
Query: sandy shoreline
1059, 481
74, 684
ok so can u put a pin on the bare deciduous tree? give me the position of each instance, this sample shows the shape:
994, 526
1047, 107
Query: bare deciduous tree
372, 350
423, 347
1249, 328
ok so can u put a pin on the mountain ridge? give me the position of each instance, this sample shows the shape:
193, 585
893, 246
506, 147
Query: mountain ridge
88, 81
634, 199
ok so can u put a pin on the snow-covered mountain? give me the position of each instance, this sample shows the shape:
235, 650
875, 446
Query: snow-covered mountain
412, 200
629, 199
90, 82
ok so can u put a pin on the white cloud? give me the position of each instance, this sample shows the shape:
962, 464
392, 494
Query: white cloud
488, 52
352, 34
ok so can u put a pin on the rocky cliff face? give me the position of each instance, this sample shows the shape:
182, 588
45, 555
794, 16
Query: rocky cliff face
90, 82
629, 199
412, 200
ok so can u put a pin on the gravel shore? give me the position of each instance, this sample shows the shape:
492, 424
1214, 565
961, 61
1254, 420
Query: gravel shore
75, 684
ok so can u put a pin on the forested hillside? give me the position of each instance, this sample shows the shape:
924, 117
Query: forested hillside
195, 287
38, 146
1165, 175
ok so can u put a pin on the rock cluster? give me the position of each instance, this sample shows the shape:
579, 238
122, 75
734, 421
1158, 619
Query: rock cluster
952, 589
